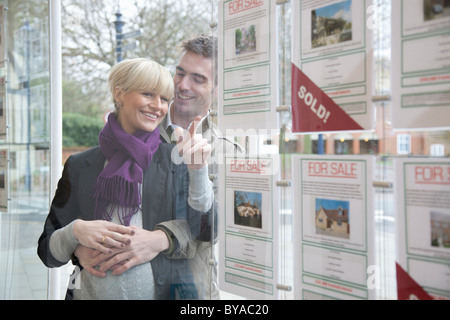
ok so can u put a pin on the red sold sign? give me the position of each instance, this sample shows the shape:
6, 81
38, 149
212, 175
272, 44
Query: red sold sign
407, 288
315, 111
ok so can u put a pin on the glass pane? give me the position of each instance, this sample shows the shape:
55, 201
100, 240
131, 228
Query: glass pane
26, 145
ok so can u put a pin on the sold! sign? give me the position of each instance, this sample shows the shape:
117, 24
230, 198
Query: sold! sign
315, 111
408, 288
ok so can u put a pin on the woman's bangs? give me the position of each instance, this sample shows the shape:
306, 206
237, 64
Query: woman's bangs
155, 81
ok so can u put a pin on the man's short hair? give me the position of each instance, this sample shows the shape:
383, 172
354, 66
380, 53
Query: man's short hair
205, 46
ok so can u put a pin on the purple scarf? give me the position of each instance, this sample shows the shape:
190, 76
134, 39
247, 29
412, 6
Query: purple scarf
119, 184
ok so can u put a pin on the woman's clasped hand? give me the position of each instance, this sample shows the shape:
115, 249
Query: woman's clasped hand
102, 235
125, 254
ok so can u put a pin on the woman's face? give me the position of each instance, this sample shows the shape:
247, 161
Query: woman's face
141, 110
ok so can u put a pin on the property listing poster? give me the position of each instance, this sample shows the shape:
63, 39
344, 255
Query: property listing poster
332, 66
423, 228
420, 64
3, 108
3, 180
249, 228
248, 81
333, 227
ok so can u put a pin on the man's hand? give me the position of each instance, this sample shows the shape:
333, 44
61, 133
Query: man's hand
194, 149
145, 246
90, 258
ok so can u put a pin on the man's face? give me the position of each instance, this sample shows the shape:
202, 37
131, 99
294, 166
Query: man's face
194, 87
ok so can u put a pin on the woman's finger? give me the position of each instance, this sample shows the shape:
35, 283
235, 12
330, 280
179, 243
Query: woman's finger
120, 229
116, 239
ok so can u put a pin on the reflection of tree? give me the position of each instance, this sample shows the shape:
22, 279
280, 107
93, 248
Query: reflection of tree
245, 38
252, 33
247, 199
313, 22
238, 38
239, 199
330, 31
89, 37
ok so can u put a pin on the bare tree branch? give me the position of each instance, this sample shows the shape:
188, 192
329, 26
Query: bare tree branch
89, 37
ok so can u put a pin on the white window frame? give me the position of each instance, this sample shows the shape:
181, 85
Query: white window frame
437, 150
403, 143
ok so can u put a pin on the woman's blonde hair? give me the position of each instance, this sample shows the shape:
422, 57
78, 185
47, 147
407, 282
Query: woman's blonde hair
140, 74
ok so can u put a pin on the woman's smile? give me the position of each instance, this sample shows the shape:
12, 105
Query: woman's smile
142, 111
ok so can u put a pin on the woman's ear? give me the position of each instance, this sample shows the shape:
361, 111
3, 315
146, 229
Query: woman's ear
118, 93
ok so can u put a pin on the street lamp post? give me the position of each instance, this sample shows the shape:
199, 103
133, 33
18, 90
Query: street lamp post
119, 26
